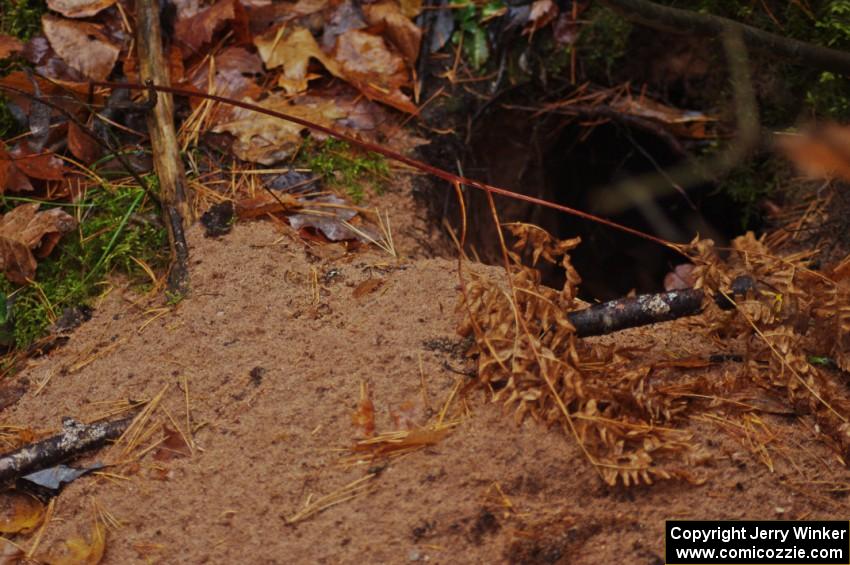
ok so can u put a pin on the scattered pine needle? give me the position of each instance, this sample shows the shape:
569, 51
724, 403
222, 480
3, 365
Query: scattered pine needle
346, 493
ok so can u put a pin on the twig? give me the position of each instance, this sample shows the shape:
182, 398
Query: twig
646, 309
166, 151
74, 439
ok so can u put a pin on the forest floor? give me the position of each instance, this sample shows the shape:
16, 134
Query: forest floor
262, 368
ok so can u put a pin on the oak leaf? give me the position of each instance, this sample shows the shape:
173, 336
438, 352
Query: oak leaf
82, 45
24, 231
79, 8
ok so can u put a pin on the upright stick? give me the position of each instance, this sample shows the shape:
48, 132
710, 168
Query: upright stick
166, 154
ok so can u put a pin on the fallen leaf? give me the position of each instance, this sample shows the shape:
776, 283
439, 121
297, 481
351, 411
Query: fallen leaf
542, 12
686, 123
403, 33
232, 71
81, 145
79, 8
19, 512
329, 221
266, 139
82, 45
9, 46
258, 206
174, 59
345, 17
193, 32
819, 152
23, 230
366, 287
78, 551
51, 480
10, 554
293, 51
372, 68
680, 278
359, 58
411, 8
364, 416
21, 163
173, 447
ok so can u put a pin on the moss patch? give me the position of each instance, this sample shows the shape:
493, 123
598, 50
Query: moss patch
346, 168
117, 224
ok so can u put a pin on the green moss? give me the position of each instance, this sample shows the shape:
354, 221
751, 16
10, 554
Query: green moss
21, 18
346, 168
116, 225
603, 41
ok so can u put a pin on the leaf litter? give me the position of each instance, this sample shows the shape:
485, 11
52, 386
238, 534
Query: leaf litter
527, 355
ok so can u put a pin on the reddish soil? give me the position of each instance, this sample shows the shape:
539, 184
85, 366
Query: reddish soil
275, 342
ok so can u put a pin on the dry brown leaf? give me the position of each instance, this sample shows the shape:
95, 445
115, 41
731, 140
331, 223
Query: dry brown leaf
376, 71
79, 8
81, 145
411, 8
19, 512
364, 416
366, 287
542, 12
9, 45
266, 139
404, 34
820, 152
24, 230
232, 67
82, 45
359, 58
10, 554
22, 163
193, 32
173, 447
266, 204
686, 123
293, 50
78, 551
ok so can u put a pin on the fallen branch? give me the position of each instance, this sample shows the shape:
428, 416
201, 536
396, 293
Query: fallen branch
166, 153
646, 309
75, 439
643, 310
686, 22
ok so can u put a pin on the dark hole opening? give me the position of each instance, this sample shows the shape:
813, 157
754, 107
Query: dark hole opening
564, 161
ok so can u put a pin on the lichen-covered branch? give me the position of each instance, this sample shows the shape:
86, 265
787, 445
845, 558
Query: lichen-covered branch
75, 439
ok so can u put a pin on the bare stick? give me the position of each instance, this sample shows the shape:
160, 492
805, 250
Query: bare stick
166, 153
646, 309
643, 310
74, 439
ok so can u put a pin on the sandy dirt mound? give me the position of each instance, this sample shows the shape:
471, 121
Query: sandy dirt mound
274, 344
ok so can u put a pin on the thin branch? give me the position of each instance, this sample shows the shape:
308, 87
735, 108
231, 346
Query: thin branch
75, 439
